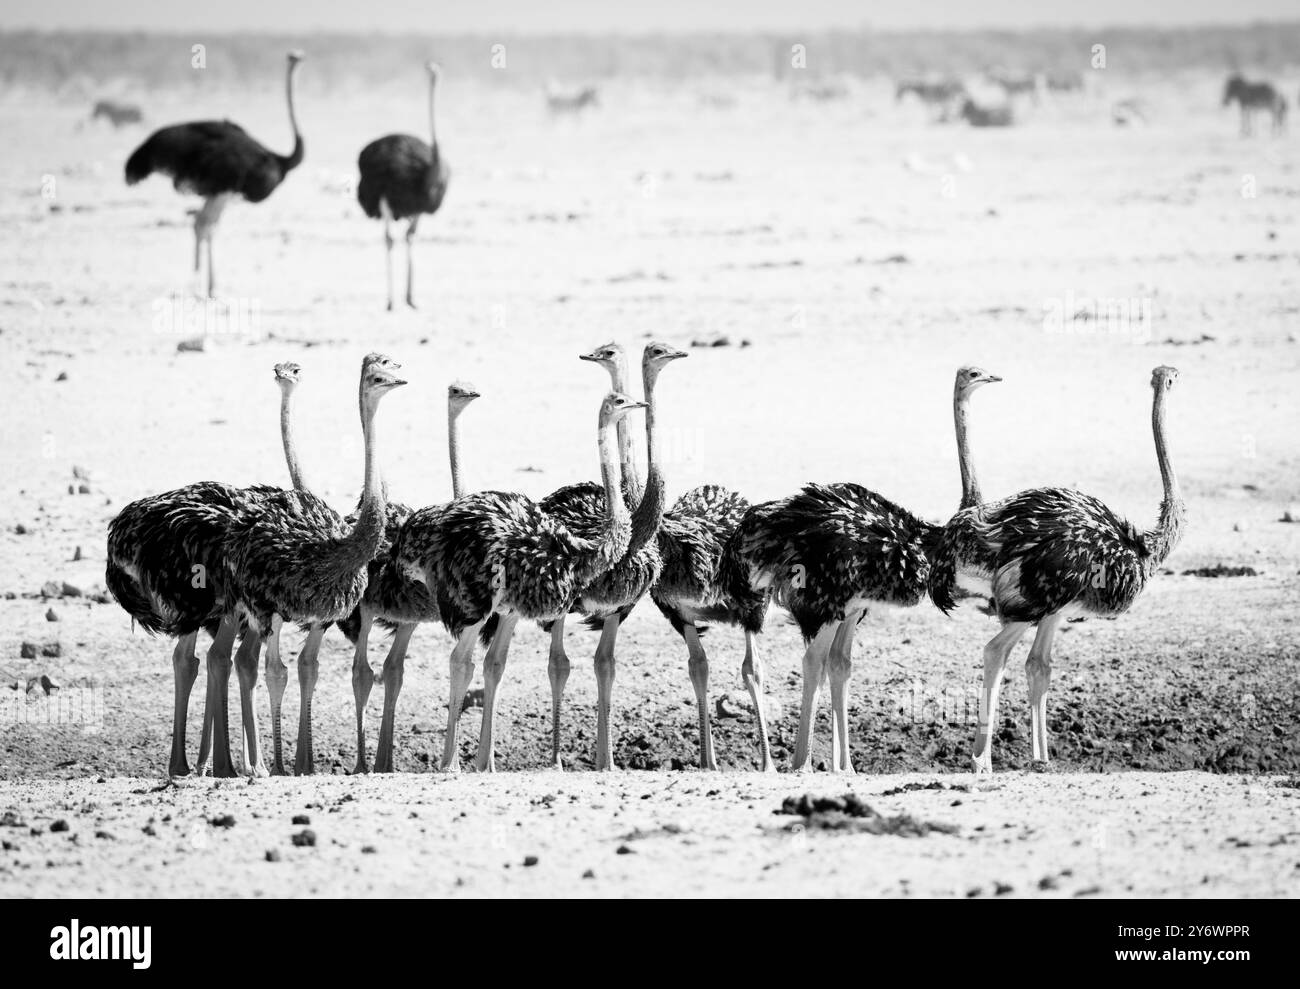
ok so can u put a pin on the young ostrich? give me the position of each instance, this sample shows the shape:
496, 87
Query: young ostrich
499, 553
403, 177
610, 598
827, 554
299, 560
219, 161
1050, 551
397, 603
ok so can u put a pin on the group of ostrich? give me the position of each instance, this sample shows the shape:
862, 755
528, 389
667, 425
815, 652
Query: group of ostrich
402, 177
239, 562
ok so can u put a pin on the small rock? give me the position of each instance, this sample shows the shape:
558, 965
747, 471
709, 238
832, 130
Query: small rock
589, 874
473, 698
51, 615
624, 850
150, 830
8, 846
1292, 514
52, 650
76, 555
273, 855
222, 821
71, 590
301, 819
195, 345
530, 860
368, 849
106, 835
20, 529
59, 825
63, 376
305, 838
1002, 889
1047, 882
27, 650
10, 819
83, 488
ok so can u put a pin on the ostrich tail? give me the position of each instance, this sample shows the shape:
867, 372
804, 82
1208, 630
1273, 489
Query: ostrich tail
351, 626
489, 629
942, 583
596, 623
140, 164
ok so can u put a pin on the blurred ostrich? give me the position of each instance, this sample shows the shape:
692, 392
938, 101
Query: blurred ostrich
1047, 552
1253, 96
500, 553
217, 160
403, 177
561, 101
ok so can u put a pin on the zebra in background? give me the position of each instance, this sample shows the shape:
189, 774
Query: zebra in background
119, 114
1252, 96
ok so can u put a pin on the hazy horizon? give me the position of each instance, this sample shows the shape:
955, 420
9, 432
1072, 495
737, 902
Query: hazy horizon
666, 16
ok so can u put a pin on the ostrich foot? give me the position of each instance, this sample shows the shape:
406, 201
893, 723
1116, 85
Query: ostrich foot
982, 765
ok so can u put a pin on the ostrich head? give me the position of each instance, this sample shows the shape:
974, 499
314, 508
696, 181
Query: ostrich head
1163, 377
656, 356
616, 406
295, 56
377, 380
434, 70
970, 377
612, 358
459, 395
287, 375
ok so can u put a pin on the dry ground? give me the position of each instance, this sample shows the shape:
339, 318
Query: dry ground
864, 254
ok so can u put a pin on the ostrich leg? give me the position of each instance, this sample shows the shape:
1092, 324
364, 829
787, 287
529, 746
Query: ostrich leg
605, 692
814, 665
393, 668
387, 214
751, 671
410, 264
840, 668
308, 669
1038, 669
494, 665
185, 667
216, 715
995, 663
363, 679
246, 670
698, 666
461, 671
557, 671
277, 679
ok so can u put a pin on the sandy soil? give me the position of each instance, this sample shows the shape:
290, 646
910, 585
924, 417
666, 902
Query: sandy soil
864, 254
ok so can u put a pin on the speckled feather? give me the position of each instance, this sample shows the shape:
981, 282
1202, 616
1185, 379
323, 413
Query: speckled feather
155, 543
833, 544
298, 558
1050, 548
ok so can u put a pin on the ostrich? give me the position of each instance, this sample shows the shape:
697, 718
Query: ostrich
219, 161
397, 603
1051, 551
1252, 96
827, 554
500, 553
610, 598
403, 177
299, 560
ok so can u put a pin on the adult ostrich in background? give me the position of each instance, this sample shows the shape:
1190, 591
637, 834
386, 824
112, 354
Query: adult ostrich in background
397, 603
401, 178
827, 554
298, 560
1051, 551
498, 552
609, 599
216, 159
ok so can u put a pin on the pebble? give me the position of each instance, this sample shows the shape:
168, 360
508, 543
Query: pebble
222, 821
71, 590
76, 554
530, 860
1292, 514
305, 838
301, 819
52, 650
51, 615
59, 825
106, 835
27, 651
368, 849
273, 855
20, 529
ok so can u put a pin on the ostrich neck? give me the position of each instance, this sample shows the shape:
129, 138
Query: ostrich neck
970, 486
290, 447
617, 533
1173, 513
632, 489
650, 511
453, 451
433, 127
364, 541
295, 157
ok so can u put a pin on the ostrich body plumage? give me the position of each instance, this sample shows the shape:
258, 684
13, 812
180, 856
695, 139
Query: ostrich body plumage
403, 171
212, 158
833, 549
1043, 550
